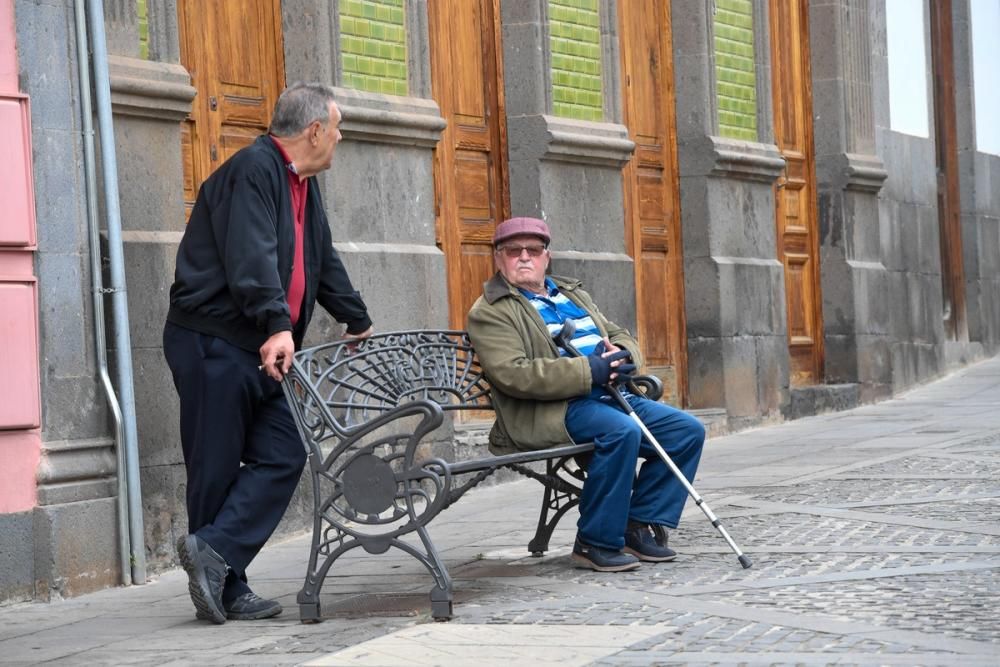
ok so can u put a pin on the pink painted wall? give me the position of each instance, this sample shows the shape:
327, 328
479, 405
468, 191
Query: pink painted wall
20, 405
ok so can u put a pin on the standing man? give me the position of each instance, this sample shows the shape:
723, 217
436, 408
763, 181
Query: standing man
255, 258
544, 398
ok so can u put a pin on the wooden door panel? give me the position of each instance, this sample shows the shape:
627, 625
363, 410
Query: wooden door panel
651, 191
470, 161
233, 50
795, 190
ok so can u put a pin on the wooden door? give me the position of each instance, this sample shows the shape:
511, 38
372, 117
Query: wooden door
652, 211
795, 190
233, 50
946, 145
470, 161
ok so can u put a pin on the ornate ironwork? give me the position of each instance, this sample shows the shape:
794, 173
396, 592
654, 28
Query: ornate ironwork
362, 409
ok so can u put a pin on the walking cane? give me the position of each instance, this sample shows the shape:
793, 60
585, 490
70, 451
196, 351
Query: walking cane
562, 339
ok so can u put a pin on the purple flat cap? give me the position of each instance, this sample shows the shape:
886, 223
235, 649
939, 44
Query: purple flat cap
518, 226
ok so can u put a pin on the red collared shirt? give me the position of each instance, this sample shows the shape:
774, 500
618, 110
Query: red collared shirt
300, 189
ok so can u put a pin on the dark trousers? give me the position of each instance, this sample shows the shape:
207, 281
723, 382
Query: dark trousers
243, 454
613, 493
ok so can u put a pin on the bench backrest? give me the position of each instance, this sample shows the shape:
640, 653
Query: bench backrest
350, 385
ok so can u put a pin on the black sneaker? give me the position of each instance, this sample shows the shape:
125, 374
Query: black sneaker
602, 560
648, 543
251, 607
206, 571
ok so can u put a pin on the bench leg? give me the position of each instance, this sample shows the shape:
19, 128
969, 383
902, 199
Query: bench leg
558, 500
441, 604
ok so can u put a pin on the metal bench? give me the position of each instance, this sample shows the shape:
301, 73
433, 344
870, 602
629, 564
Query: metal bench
364, 411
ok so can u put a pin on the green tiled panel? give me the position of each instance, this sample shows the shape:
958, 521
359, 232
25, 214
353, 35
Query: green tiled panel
735, 77
373, 46
143, 13
575, 47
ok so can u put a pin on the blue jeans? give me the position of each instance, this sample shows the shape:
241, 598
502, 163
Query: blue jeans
613, 493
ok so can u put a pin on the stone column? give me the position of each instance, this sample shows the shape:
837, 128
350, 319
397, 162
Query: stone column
379, 194
849, 176
979, 194
734, 282
565, 170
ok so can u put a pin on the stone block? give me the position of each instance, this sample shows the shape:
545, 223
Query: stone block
695, 98
694, 38
164, 512
64, 320
872, 309
772, 374
899, 304
311, 55
874, 366
525, 190
59, 196
861, 211
908, 232
525, 74
149, 273
608, 278
76, 549
742, 217
593, 222
17, 558
741, 376
157, 409
513, 12
374, 267
840, 358
828, 120
696, 232
928, 258
381, 193
837, 289
149, 174
73, 406
706, 372
703, 297
46, 72
752, 297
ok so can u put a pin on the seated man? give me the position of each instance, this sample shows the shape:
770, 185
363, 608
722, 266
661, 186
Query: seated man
544, 398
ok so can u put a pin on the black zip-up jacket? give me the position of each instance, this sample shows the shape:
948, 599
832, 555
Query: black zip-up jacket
234, 263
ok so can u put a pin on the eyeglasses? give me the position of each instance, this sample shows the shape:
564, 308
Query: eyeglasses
514, 251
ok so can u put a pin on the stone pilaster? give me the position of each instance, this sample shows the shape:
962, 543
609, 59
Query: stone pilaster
553, 158
849, 176
734, 282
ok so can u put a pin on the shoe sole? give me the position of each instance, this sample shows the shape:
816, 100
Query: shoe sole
198, 588
649, 559
589, 564
257, 616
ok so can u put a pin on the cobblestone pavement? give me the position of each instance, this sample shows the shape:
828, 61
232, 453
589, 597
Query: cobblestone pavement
875, 536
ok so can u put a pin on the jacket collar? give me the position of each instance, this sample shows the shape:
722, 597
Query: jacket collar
497, 287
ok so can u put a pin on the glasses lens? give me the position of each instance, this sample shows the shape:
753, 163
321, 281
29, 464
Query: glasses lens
513, 251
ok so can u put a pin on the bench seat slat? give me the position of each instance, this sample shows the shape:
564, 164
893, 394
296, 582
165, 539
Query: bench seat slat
520, 457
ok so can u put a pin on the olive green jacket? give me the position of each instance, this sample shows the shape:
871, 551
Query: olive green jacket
531, 384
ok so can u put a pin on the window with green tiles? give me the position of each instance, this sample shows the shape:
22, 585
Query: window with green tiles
373, 46
143, 13
735, 81
575, 44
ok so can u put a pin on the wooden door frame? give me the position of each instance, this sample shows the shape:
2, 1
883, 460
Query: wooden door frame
448, 234
809, 154
676, 310
946, 161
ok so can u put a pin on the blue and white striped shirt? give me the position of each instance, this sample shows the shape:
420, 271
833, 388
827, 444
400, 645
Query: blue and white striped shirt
555, 309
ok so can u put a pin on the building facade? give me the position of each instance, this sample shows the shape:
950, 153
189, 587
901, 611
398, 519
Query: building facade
795, 204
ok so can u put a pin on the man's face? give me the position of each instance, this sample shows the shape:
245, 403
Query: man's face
327, 138
522, 260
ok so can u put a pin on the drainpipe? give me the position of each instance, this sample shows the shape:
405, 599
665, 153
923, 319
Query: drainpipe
97, 288
119, 303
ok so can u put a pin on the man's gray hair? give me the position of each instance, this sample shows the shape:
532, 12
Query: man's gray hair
300, 105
